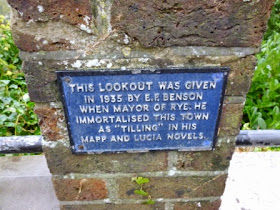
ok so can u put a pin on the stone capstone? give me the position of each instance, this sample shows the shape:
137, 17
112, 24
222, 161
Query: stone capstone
192, 23
71, 11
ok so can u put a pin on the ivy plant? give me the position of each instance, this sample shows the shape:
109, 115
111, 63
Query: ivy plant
140, 181
16, 110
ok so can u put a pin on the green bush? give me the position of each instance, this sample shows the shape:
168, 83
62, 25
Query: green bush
16, 110
263, 100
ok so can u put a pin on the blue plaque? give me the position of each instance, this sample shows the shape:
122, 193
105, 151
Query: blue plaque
142, 110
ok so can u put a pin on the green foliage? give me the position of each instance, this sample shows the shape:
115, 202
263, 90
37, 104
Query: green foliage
273, 23
140, 182
141, 192
16, 110
267, 149
263, 101
149, 201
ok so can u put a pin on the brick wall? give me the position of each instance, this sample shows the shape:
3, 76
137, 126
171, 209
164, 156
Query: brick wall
68, 34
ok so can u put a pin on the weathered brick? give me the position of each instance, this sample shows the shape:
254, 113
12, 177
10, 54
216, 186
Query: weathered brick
62, 161
175, 187
41, 80
191, 22
217, 159
80, 189
41, 77
157, 206
231, 119
71, 11
29, 43
49, 119
201, 205
240, 76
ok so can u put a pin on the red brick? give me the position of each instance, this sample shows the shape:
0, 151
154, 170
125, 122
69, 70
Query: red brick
80, 189
217, 159
27, 42
175, 187
201, 205
157, 206
71, 11
62, 161
48, 122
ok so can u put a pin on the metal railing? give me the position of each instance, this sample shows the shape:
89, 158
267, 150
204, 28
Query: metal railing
258, 138
33, 144
21, 144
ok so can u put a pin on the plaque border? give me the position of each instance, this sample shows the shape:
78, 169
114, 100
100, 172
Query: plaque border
104, 72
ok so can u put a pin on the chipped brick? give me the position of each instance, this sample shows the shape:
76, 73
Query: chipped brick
80, 189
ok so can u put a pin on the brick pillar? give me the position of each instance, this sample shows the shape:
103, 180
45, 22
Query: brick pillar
127, 34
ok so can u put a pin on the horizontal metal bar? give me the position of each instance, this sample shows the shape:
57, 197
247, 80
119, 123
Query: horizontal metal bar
258, 138
33, 144
21, 144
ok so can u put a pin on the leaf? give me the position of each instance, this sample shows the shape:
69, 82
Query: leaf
246, 126
13, 86
275, 111
5, 82
6, 100
32, 122
15, 60
4, 131
141, 180
30, 104
9, 109
18, 129
261, 123
37, 131
141, 192
9, 124
149, 202
3, 118
20, 110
